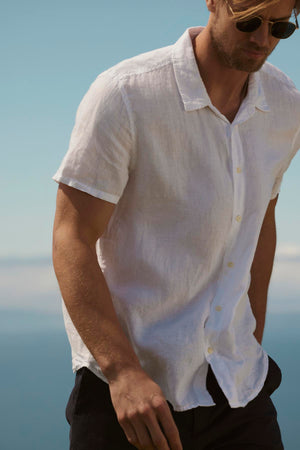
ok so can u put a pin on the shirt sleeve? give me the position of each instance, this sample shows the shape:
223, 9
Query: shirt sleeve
279, 178
277, 185
100, 152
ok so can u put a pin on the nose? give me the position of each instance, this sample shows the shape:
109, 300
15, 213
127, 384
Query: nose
261, 36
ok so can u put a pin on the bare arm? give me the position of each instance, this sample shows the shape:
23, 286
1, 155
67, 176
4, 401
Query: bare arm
139, 403
261, 269
80, 219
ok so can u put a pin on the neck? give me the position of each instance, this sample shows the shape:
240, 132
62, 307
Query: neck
225, 86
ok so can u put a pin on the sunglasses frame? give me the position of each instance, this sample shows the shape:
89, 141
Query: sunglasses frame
272, 22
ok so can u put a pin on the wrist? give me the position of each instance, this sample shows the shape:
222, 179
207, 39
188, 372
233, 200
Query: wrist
115, 370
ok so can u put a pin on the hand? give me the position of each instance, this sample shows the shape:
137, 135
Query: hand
143, 412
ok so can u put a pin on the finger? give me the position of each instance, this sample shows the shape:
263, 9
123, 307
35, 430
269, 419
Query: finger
169, 427
157, 436
130, 434
142, 433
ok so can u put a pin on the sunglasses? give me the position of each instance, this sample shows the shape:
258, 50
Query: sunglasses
280, 30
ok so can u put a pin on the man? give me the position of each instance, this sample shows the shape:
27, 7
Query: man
164, 237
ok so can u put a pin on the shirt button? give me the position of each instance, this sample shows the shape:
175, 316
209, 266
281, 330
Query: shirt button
238, 218
218, 308
230, 264
210, 350
239, 169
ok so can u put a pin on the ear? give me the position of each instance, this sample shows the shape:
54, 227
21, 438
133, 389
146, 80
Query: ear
211, 5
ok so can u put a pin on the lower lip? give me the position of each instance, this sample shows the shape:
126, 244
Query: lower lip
255, 55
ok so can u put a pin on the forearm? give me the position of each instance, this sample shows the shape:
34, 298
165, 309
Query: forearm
261, 272
258, 302
88, 301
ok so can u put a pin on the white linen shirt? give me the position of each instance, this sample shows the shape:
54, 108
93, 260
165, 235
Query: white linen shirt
191, 191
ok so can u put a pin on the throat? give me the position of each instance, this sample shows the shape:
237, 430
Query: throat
226, 104
226, 87
228, 110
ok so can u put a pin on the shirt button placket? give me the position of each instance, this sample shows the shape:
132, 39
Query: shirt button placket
238, 205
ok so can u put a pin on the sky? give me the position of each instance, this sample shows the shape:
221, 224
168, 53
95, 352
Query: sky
50, 54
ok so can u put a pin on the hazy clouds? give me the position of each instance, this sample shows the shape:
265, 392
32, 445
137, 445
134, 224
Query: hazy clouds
31, 284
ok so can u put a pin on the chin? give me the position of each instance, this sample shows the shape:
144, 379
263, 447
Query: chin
253, 67
247, 65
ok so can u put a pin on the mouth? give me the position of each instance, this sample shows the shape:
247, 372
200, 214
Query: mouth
255, 53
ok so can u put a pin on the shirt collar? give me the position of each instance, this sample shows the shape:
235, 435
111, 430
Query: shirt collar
189, 82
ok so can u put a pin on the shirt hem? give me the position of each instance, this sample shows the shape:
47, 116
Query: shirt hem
88, 189
244, 403
190, 406
77, 364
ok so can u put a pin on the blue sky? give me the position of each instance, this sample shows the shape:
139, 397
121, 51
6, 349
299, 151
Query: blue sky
50, 54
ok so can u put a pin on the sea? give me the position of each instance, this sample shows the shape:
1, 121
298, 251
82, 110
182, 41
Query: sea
36, 379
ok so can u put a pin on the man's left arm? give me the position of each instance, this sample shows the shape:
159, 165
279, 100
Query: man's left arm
261, 269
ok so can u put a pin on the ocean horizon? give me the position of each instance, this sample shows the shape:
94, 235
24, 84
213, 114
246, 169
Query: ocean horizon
37, 378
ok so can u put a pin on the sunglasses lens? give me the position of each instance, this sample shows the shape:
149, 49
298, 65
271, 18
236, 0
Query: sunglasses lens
247, 26
280, 30
283, 30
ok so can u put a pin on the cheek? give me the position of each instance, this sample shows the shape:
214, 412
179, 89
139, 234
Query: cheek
233, 36
274, 42
239, 38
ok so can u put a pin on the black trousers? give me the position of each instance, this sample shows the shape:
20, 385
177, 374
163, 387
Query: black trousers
94, 425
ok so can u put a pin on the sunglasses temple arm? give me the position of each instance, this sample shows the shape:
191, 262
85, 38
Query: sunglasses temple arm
296, 19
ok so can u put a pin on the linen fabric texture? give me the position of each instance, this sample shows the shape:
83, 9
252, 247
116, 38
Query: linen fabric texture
191, 191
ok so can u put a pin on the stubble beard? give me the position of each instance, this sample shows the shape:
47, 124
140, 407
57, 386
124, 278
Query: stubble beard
236, 59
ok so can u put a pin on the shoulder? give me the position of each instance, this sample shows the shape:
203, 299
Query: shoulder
152, 61
113, 91
139, 67
109, 83
274, 78
144, 76
280, 91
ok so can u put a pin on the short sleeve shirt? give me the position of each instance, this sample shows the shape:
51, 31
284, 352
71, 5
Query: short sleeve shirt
191, 191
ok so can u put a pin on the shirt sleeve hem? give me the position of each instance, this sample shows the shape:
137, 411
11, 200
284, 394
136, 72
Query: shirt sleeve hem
274, 195
88, 189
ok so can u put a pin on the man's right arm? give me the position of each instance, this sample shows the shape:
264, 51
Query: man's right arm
139, 403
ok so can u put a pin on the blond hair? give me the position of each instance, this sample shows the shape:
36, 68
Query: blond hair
242, 11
